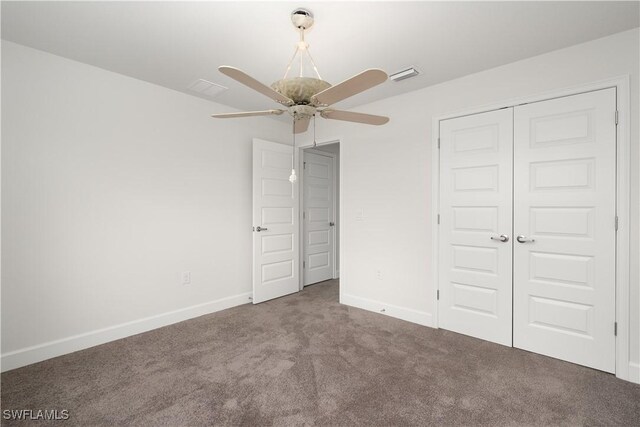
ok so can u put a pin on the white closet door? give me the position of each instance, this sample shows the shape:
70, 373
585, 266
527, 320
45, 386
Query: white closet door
275, 222
475, 210
318, 218
564, 206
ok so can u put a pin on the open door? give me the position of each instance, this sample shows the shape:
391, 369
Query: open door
275, 222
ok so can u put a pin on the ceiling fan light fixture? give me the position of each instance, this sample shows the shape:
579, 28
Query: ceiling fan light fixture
404, 74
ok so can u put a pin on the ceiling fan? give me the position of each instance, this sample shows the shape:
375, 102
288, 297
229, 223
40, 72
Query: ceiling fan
304, 97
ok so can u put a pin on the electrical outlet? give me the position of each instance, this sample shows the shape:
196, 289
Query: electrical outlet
359, 215
379, 274
186, 277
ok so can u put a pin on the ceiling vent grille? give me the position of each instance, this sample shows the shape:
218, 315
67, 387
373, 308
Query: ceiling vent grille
206, 88
404, 74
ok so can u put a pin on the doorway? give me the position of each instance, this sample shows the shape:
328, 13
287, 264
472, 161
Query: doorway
320, 226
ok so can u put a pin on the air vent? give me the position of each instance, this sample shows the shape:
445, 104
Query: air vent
207, 88
404, 74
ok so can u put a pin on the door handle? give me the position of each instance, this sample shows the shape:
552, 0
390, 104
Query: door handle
503, 238
524, 239
259, 229
331, 224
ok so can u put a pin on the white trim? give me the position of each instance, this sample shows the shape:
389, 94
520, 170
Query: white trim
301, 150
309, 144
624, 367
634, 372
408, 314
37, 353
435, 211
623, 315
342, 282
336, 214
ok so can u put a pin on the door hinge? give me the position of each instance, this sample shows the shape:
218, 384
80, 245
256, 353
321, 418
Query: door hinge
616, 117
254, 229
438, 219
617, 222
304, 165
304, 264
438, 294
304, 215
615, 329
438, 143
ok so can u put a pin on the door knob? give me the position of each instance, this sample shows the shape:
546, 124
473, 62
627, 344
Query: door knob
259, 229
331, 224
503, 238
524, 239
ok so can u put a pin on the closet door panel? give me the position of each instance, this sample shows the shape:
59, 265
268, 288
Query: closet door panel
476, 206
564, 207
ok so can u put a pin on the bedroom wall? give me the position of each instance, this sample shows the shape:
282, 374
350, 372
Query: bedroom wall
111, 187
387, 174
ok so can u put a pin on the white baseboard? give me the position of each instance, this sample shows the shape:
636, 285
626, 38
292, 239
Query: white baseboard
634, 372
426, 319
26, 356
408, 314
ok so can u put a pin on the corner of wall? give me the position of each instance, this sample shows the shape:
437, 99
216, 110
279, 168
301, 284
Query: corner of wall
403, 313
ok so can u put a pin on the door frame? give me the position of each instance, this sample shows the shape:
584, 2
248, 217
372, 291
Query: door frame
623, 369
300, 150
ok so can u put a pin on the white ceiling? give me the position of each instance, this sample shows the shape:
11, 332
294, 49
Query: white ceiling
175, 43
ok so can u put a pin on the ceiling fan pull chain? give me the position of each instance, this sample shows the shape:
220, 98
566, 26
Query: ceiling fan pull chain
314, 131
293, 177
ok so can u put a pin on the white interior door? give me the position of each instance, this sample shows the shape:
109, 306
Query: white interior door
318, 217
565, 193
275, 219
475, 211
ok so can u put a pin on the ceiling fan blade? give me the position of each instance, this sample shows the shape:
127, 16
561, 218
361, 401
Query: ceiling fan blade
301, 125
248, 114
356, 84
349, 116
247, 80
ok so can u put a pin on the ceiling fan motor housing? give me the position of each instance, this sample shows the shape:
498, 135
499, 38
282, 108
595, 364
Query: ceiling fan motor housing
302, 18
302, 111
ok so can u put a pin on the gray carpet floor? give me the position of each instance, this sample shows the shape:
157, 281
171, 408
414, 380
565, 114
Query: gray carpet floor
307, 360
